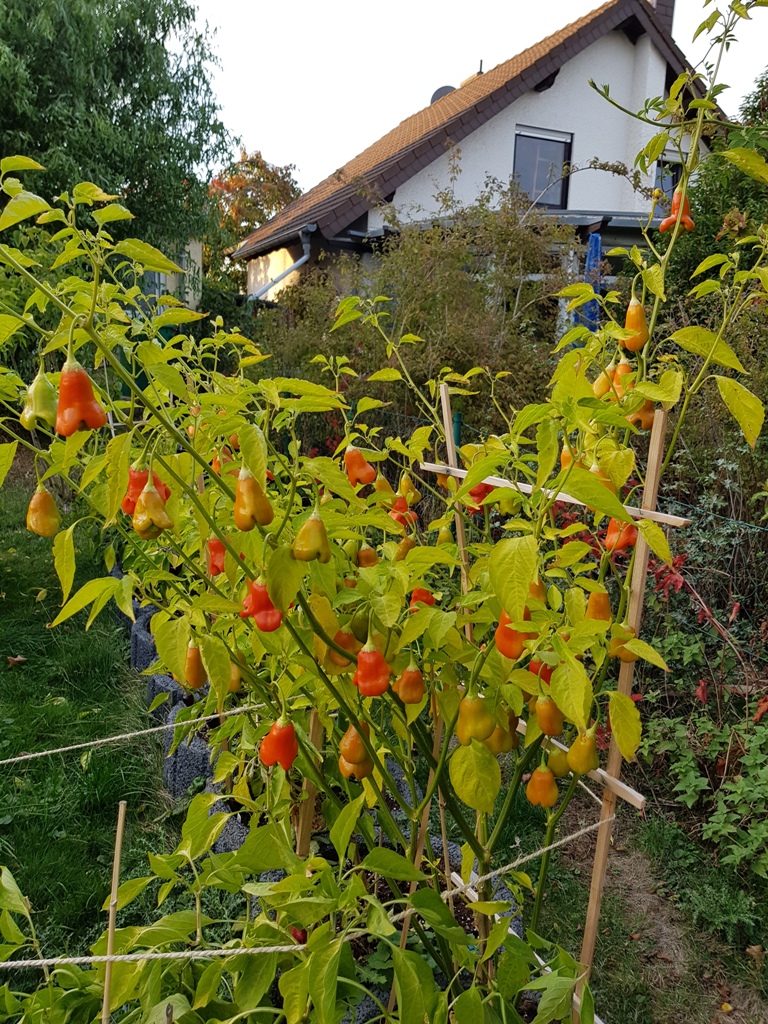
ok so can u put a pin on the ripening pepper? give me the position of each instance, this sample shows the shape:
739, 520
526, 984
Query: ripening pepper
359, 624
366, 556
372, 675
603, 381
235, 675
620, 385
383, 487
343, 638
540, 669
137, 480
582, 756
351, 747
215, 553
620, 536
599, 606
509, 641
644, 416
221, 458
149, 515
541, 790
360, 771
404, 546
501, 741
557, 762
41, 402
402, 514
635, 321
617, 648
549, 716
420, 595
78, 407
408, 491
686, 221
194, 671
359, 470
409, 685
478, 494
475, 721
311, 541
252, 506
258, 606
42, 514
280, 745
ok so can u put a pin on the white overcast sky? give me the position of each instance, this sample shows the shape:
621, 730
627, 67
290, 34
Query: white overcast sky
314, 83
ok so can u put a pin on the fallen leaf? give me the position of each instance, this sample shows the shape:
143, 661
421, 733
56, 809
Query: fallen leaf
634, 936
41, 595
701, 691
757, 953
15, 659
762, 709
726, 1008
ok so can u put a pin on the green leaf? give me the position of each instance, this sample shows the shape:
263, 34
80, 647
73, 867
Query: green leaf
468, 1008
625, 723
476, 776
587, 1006
656, 539
428, 903
172, 640
345, 825
118, 460
647, 653
749, 161
19, 163
10, 895
388, 374
216, 662
714, 260
415, 987
20, 207
173, 317
571, 688
746, 408
585, 486
158, 1014
704, 343
87, 192
201, 829
323, 980
8, 326
381, 861
653, 278
111, 213
557, 993
64, 559
283, 577
147, 255
256, 974
513, 566
7, 454
98, 591
667, 390
514, 970
294, 988
169, 378
253, 448
547, 447
368, 403
128, 891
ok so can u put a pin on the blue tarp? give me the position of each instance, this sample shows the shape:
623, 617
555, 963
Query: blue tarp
589, 313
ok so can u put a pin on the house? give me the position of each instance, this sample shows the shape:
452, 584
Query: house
533, 113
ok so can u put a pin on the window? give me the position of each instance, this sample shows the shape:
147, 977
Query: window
539, 159
667, 176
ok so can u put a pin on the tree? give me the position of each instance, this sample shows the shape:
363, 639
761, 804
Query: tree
117, 92
247, 193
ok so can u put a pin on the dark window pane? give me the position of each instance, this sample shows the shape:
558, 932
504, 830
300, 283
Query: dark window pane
539, 168
667, 177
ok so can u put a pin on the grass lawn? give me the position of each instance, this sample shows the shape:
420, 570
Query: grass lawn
58, 814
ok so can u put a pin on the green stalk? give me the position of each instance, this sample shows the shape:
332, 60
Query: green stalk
548, 840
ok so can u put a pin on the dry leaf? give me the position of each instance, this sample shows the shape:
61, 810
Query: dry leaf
15, 659
634, 935
757, 953
726, 1008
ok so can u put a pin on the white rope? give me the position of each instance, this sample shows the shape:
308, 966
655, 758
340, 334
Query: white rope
121, 737
598, 800
124, 958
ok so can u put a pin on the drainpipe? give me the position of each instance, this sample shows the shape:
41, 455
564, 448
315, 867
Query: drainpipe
304, 237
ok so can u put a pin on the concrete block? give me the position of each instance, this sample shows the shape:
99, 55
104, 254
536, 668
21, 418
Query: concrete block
190, 760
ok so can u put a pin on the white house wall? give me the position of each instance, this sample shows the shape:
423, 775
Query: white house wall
266, 268
633, 72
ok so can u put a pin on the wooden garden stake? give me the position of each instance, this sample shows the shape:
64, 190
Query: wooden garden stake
113, 908
626, 673
309, 789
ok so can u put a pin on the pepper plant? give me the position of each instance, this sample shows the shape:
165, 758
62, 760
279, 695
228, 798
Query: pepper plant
307, 589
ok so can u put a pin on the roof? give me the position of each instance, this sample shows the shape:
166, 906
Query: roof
419, 140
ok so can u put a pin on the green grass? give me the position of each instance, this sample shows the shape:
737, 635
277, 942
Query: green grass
58, 814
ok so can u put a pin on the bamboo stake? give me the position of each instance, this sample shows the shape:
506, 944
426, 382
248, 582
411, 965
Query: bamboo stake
626, 673
309, 789
113, 908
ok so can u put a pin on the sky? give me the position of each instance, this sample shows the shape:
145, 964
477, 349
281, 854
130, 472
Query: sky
314, 83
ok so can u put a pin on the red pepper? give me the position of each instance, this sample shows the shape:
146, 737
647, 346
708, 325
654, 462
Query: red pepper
410, 685
478, 493
78, 408
280, 745
541, 669
214, 556
509, 641
359, 470
420, 595
620, 536
402, 514
137, 480
686, 221
346, 639
372, 675
258, 606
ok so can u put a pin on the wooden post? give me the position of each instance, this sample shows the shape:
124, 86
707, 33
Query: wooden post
113, 908
309, 790
626, 673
